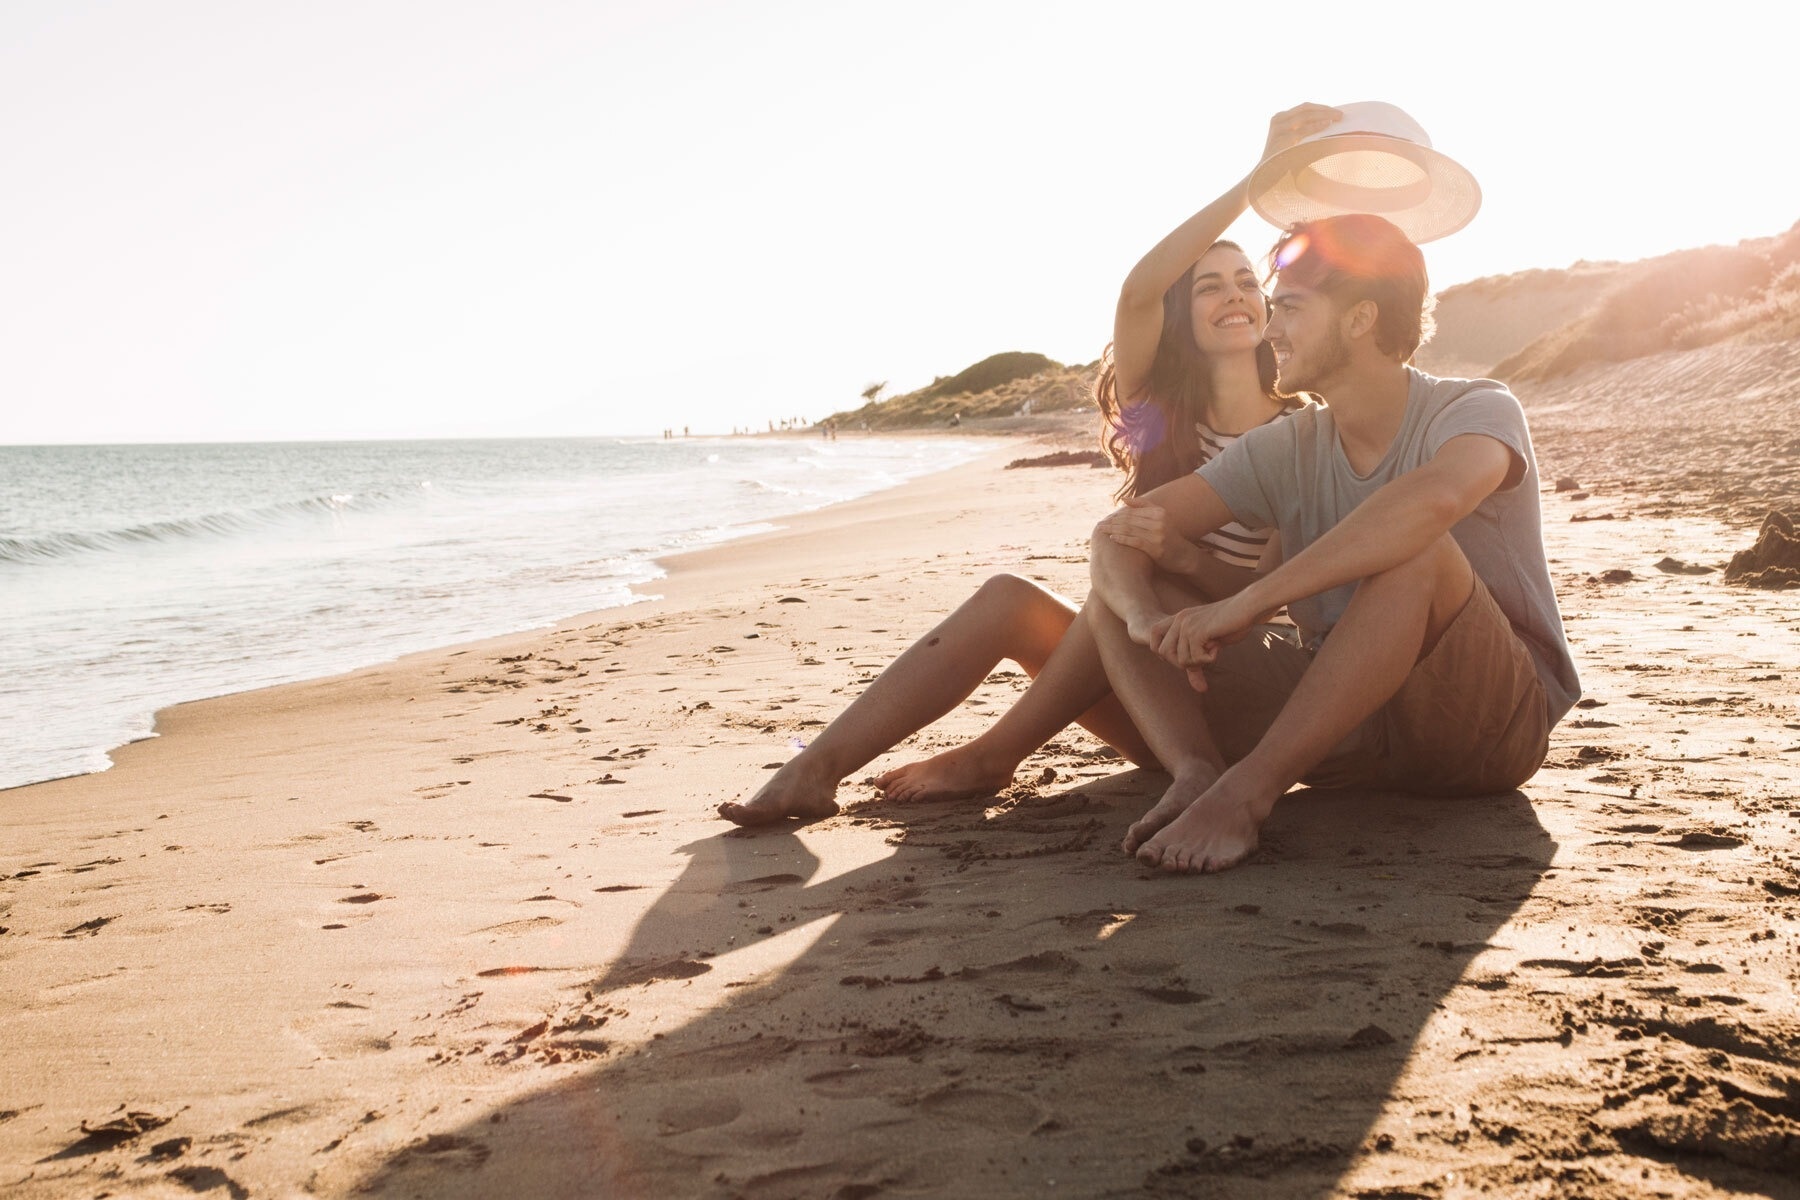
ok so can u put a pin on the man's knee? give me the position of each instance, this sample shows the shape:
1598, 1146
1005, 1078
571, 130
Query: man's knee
1443, 558
1096, 537
1099, 614
1439, 577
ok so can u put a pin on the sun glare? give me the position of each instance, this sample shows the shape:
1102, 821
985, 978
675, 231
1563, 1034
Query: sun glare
1290, 250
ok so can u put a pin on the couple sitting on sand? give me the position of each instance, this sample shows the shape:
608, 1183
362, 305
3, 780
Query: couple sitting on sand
1396, 522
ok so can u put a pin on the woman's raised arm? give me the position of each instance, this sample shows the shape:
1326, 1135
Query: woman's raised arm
1137, 322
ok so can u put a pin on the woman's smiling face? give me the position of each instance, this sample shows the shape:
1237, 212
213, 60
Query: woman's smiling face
1227, 302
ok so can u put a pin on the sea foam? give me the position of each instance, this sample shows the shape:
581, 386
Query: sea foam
134, 577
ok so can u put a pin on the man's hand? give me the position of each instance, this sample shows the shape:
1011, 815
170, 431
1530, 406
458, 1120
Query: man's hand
1190, 639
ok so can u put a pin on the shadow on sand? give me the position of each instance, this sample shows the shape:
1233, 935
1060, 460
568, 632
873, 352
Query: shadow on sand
1004, 1005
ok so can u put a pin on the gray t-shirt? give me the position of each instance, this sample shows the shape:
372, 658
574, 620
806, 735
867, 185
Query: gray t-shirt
1293, 475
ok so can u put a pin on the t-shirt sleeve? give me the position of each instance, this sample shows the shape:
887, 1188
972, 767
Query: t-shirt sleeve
1245, 474
1491, 412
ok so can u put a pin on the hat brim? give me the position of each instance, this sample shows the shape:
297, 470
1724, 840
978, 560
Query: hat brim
1427, 194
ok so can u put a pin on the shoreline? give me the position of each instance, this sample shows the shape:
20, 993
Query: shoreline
660, 563
467, 920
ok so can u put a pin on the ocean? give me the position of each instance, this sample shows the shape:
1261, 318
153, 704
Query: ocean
135, 577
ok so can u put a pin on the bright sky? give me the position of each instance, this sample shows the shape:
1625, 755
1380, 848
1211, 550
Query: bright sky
409, 218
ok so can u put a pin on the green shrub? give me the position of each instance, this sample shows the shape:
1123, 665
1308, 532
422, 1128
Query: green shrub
990, 373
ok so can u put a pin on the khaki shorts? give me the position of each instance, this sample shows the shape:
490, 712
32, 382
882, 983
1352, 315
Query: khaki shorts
1469, 720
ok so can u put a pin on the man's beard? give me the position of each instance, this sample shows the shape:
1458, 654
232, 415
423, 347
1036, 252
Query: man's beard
1292, 378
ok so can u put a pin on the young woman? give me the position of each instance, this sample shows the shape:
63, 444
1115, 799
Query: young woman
1187, 372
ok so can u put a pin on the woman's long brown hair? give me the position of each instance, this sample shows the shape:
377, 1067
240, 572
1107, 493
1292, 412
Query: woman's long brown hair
1155, 441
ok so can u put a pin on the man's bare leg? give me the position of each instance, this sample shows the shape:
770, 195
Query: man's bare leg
1164, 708
1007, 617
1393, 621
1071, 687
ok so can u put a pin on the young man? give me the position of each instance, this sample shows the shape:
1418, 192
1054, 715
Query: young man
1430, 655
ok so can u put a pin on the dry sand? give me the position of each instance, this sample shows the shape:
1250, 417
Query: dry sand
466, 925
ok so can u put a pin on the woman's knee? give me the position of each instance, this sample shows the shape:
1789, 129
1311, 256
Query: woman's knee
1019, 596
1024, 611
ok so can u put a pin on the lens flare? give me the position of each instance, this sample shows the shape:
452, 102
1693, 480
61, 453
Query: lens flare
1291, 250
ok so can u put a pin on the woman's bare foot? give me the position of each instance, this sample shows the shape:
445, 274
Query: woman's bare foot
1186, 788
1215, 832
956, 774
795, 791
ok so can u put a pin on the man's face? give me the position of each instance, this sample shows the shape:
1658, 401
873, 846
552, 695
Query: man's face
1307, 335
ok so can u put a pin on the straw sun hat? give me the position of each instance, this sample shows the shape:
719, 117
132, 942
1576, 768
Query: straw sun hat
1375, 159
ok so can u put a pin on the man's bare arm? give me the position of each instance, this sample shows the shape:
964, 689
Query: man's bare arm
1395, 524
1122, 575
1144, 525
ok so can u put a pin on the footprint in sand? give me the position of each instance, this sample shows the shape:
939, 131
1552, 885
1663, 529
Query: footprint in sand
1045, 962
900, 935
512, 928
209, 1179
440, 1150
1173, 993
338, 1046
653, 972
297, 1114
706, 1113
763, 883
989, 1109
853, 1082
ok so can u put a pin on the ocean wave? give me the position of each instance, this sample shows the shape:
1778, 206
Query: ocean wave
53, 547
764, 487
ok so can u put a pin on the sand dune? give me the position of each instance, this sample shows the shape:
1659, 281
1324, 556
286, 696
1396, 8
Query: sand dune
1541, 325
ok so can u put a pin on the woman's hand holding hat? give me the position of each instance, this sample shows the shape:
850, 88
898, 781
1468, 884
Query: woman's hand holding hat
1294, 126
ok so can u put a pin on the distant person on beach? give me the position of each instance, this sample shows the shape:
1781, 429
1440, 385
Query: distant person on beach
1429, 655
1187, 373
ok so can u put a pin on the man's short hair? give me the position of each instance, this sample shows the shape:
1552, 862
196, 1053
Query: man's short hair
1361, 257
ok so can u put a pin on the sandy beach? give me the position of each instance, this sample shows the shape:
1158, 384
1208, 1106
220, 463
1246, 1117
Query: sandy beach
467, 925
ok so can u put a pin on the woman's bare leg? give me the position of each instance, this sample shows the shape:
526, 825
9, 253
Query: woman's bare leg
1070, 688
1007, 617
1173, 718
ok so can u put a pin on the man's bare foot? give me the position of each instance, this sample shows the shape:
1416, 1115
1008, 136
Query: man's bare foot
956, 774
1183, 792
1216, 832
796, 791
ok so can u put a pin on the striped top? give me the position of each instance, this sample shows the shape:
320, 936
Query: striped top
1233, 544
